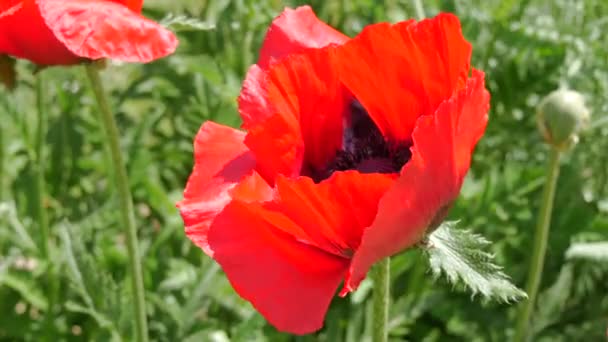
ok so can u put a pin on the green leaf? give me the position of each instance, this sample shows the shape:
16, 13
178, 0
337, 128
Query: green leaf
593, 251
178, 23
554, 299
208, 336
103, 321
101, 297
8, 213
460, 255
27, 287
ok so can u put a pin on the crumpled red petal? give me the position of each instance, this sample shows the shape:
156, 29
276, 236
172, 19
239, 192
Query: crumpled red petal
221, 161
288, 282
308, 103
105, 29
253, 99
430, 181
333, 213
292, 32
9, 7
399, 72
133, 5
20, 23
288, 254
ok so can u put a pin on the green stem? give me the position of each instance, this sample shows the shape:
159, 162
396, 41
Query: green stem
40, 167
125, 202
540, 247
41, 212
419, 8
415, 283
1, 161
381, 275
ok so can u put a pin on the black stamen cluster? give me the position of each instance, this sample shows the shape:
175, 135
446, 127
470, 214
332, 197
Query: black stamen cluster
365, 149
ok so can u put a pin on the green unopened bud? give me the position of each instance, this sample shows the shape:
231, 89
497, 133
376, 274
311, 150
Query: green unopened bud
561, 116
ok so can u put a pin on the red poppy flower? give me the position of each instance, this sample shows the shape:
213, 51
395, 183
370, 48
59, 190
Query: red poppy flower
354, 149
64, 32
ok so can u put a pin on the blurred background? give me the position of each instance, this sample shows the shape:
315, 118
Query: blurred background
527, 49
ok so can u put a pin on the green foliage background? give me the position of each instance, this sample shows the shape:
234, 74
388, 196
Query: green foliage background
527, 48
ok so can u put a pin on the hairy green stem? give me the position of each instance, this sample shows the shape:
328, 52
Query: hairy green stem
419, 8
381, 276
40, 167
125, 202
41, 212
2, 176
540, 248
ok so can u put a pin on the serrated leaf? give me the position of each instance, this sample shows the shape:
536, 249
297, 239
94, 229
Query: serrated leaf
27, 287
593, 251
8, 212
554, 299
101, 298
178, 23
77, 280
460, 255
103, 321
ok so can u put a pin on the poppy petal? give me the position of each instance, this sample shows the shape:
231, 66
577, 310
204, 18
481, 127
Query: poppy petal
400, 72
430, 181
295, 31
288, 255
221, 162
277, 146
133, 5
289, 282
10, 7
23, 34
104, 29
305, 130
333, 213
253, 99
308, 87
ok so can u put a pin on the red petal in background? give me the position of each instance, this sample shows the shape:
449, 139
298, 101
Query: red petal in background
292, 32
430, 181
221, 161
295, 31
105, 29
9, 7
288, 255
399, 72
307, 102
133, 5
23, 34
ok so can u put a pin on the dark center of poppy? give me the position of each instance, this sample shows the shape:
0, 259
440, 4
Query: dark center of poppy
365, 149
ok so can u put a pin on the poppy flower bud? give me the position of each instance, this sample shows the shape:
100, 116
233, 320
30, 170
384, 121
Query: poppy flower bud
561, 115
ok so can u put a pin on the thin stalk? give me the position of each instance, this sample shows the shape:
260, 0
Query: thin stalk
381, 276
419, 8
540, 247
2, 176
41, 212
125, 201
